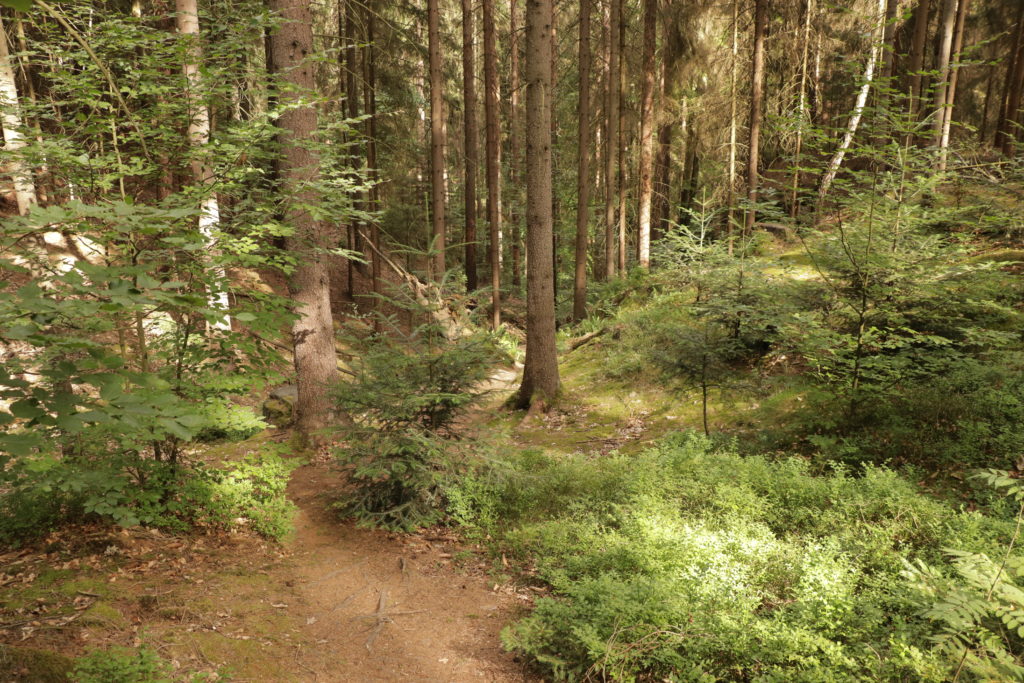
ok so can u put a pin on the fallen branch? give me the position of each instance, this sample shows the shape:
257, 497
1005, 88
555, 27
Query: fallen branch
585, 339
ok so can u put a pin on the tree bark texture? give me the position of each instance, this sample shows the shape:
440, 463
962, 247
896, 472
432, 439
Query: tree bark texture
646, 175
540, 376
437, 139
756, 98
611, 142
187, 21
579, 298
471, 136
316, 366
493, 143
515, 152
10, 118
916, 63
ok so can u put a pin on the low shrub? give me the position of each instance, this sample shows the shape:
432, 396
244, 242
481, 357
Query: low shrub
41, 492
692, 563
405, 397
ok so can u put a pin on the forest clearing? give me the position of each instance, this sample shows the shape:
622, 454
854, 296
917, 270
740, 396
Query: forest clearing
575, 340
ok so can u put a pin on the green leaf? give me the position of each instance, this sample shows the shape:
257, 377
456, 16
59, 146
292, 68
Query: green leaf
20, 5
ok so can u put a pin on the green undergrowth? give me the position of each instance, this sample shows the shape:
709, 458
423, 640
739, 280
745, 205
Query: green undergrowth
43, 492
689, 562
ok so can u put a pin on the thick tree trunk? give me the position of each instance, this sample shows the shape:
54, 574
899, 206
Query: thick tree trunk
437, 140
493, 159
515, 236
646, 174
10, 118
579, 299
187, 21
611, 142
316, 365
756, 97
471, 136
540, 376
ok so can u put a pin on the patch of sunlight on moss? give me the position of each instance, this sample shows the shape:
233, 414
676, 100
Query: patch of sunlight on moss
104, 615
95, 586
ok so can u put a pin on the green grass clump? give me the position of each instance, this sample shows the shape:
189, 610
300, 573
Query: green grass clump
694, 563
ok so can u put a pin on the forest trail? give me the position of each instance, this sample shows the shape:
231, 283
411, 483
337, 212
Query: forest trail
333, 604
382, 607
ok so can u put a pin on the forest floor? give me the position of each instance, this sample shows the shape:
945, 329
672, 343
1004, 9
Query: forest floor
332, 603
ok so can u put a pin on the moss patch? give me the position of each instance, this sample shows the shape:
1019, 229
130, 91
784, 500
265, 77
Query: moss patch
33, 666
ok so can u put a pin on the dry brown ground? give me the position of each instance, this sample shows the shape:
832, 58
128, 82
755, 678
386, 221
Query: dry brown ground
334, 603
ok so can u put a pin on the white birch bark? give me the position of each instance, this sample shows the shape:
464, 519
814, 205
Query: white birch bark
14, 140
187, 19
858, 109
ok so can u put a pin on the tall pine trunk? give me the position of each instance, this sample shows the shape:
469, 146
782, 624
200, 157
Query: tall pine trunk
1005, 134
756, 98
647, 135
540, 376
471, 135
493, 159
916, 63
515, 238
611, 142
316, 366
579, 299
437, 140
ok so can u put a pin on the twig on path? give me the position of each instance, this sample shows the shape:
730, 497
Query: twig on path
383, 616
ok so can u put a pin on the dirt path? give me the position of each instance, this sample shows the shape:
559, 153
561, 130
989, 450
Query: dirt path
379, 607
335, 603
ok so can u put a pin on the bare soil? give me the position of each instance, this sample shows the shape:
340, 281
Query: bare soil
334, 603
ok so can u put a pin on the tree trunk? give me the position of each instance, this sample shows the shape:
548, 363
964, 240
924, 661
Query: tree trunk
187, 21
756, 97
663, 160
621, 151
515, 238
316, 366
794, 203
646, 174
540, 376
437, 140
858, 108
946, 27
493, 159
954, 75
916, 64
1005, 134
471, 135
579, 299
611, 142
10, 117
730, 220
370, 105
